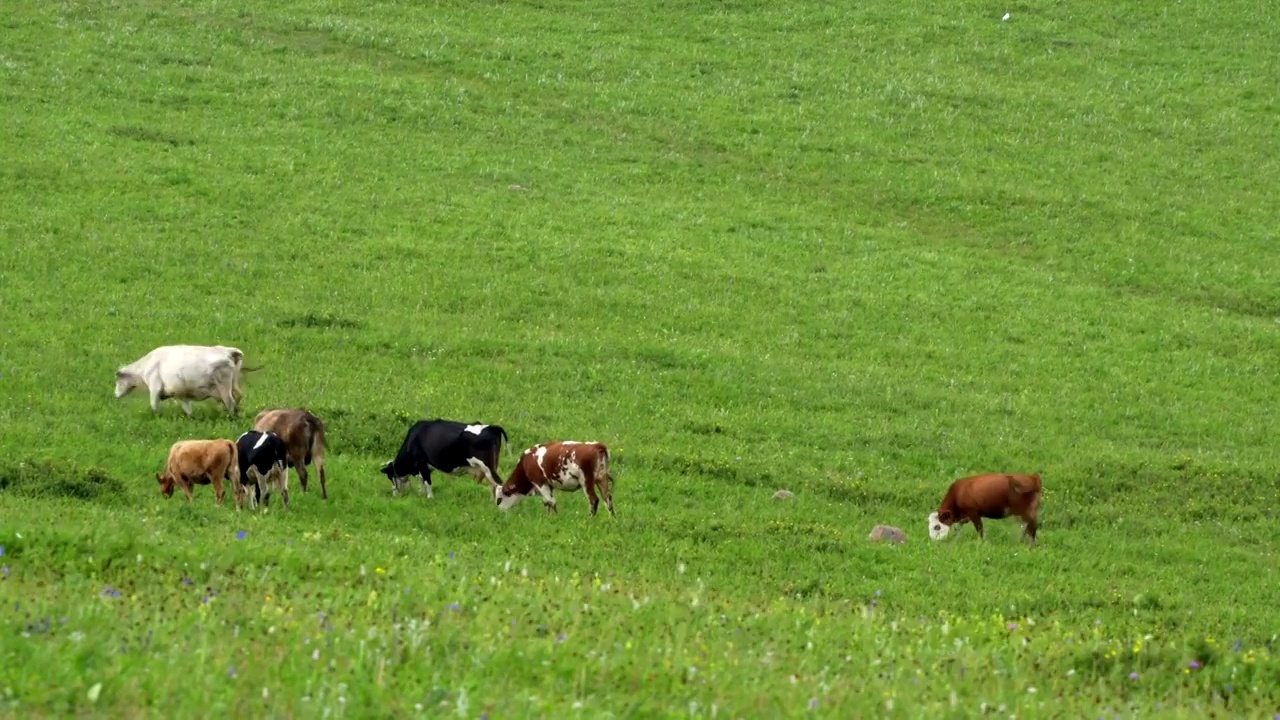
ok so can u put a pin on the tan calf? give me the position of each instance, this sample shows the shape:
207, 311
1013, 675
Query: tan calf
994, 496
200, 462
303, 435
567, 465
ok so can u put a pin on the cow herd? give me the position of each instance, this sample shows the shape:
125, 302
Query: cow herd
258, 462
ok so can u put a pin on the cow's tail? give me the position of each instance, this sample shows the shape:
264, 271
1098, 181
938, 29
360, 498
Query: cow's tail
318, 441
507, 442
602, 469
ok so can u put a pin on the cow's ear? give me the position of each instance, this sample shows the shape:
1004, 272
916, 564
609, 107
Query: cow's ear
159, 477
945, 517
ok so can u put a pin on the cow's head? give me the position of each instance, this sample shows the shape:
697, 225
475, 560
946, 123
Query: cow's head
940, 524
398, 482
166, 485
505, 498
126, 381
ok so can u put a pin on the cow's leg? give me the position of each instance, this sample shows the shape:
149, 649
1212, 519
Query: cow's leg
252, 490
481, 471
186, 407
186, 488
548, 500
228, 397
590, 487
264, 490
426, 483
977, 525
299, 464
1030, 528
154, 392
282, 478
219, 492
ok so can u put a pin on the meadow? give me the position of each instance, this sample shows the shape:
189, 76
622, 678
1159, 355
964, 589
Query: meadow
854, 251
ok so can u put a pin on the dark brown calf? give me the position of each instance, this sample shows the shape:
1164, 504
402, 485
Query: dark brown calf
567, 465
994, 496
200, 462
303, 435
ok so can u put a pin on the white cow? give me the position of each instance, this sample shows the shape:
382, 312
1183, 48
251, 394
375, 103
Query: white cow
186, 372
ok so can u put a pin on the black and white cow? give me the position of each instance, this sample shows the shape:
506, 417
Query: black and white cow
264, 461
450, 447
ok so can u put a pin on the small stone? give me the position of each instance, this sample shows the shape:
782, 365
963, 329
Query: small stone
783, 495
890, 533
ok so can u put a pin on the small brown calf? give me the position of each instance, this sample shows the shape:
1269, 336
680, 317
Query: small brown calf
994, 496
303, 435
567, 465
200, 462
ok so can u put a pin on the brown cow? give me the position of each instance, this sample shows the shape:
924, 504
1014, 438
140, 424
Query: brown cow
303, 435
993, 495
567, 465
201, 462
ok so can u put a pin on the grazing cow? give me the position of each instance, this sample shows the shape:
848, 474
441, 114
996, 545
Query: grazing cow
994, 496
303, 434
450, 447
264, 460
186, 372
567, 465
200, 462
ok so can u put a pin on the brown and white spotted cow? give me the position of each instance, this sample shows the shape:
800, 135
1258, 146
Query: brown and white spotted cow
567, 465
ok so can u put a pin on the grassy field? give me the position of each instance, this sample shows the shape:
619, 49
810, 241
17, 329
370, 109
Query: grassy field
852, 251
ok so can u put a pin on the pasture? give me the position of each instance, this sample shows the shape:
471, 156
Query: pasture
851, 251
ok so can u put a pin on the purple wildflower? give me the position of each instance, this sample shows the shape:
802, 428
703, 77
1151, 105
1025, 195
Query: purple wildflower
231, 672
1195, 665
186, 581
1013, 626
1237, 645
454, 606
1133, 675
813, 703
561, 636
240, 535
450, 553
877, 593
110, 591
1, 550
5, 570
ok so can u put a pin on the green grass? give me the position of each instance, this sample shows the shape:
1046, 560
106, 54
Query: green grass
853, 251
